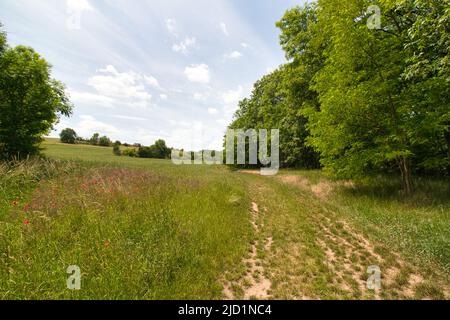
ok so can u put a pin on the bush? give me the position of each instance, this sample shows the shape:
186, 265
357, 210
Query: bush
104, 141
130, 153
68, 136
116, 149
95, 139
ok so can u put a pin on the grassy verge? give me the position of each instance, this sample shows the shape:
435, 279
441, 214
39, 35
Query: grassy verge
134, 233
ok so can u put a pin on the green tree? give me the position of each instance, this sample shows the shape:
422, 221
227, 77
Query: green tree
116, 148
104, 141
68, 135
95, 139
161, 150
374, 113
31, 102
2, 39
279, 98
426, 74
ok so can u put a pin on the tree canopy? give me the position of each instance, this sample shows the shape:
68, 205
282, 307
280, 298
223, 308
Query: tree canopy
68, 135
31, 102
355, 98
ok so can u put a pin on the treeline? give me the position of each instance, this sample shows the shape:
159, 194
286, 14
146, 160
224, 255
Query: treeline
69, 136
159, 150
357, 97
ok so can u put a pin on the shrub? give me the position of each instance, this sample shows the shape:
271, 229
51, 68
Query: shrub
116, 148
104, 141
68, 136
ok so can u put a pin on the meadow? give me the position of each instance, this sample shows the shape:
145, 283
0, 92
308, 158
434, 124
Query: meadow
147, 229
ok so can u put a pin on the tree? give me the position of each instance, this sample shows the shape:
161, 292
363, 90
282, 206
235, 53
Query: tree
2, 40
31, 102
68, 136
375, 113
104, 141
279, 98
94, 139
145, 152
116, 149
160, 149
426, 73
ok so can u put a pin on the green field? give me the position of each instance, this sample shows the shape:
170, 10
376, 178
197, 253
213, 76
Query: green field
147, 229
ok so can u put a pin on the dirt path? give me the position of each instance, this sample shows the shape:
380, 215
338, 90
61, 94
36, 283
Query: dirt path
303, 250
254, 283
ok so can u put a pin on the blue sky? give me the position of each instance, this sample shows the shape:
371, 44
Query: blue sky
140, 70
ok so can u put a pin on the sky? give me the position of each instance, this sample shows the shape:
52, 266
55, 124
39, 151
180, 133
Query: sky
142, 70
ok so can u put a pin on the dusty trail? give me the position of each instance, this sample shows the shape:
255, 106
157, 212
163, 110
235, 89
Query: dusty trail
254, 282
303, 250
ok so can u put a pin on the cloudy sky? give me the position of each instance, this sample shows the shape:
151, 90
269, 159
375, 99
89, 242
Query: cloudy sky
146, 69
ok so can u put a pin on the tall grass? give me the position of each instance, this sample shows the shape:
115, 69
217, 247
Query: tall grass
134, 233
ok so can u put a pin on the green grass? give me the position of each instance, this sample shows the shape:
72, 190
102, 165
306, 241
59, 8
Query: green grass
148, 229
146, 233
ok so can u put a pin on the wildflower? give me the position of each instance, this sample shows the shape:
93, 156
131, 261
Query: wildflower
15, 203
107, 243
26, 222
26, 207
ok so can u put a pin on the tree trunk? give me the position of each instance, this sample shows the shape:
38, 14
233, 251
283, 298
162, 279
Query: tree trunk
405, 169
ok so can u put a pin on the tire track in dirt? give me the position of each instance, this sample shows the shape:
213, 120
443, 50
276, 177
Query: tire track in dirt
348, 253
254, 283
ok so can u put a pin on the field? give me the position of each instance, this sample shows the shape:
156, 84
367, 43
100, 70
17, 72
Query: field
147, 229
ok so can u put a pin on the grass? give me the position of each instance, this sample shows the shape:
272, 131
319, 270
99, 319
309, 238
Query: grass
147, 233
147, 229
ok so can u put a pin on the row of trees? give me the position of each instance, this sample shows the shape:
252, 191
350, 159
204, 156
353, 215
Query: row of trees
354, 99
159, 150
31, 101
69, 136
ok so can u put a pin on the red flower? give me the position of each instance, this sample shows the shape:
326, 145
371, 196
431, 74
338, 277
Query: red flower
26, 207
26, 222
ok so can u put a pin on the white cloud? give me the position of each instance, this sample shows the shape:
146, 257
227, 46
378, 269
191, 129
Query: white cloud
129, 118
184, 45
224, 29
78, 5
233, 96
91, 99
233, 55
200, 96
89, 125
163, 96
112, 83
213, 111
152, 82
244, 45
171, 25
231, 100
198, 73
223, 121
114, 88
